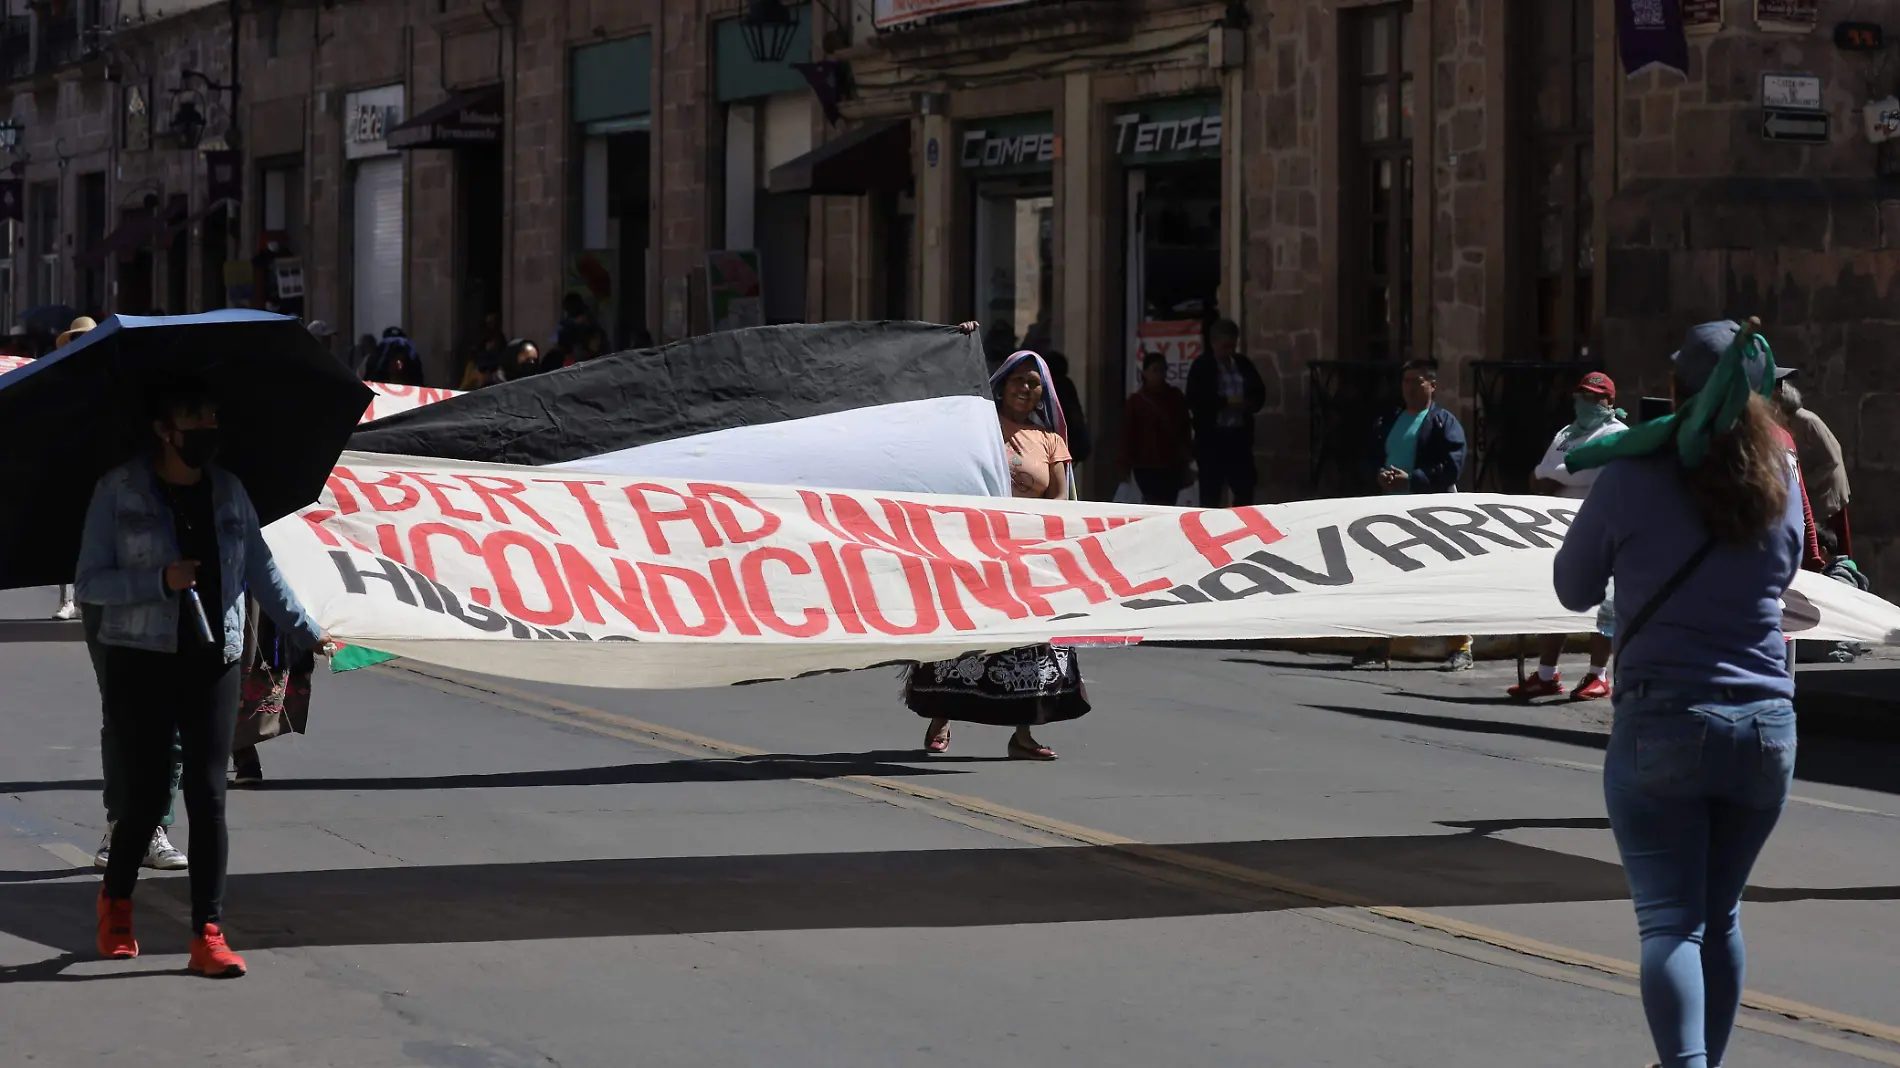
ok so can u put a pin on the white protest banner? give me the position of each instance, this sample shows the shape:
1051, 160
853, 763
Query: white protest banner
605, 580
1178, 340
392, 398
13, 363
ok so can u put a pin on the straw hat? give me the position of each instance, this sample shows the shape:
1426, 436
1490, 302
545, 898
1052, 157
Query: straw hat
80, 326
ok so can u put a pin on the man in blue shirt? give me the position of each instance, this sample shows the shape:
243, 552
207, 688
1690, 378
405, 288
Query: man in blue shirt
1421, 447
1418, 449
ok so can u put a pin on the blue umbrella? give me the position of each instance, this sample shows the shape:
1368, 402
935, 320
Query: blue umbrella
286, 407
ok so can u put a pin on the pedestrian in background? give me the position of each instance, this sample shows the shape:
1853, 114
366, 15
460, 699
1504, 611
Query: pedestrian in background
1224, 393
1420, 448
1596, 417
1823, 467
1081, 442
170, 635
396, 361
1157, 435
1697, 519
519, 360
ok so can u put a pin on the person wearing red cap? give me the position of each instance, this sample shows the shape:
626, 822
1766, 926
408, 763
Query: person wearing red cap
1597, 416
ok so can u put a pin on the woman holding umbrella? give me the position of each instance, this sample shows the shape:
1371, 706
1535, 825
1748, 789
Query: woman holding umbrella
169, 543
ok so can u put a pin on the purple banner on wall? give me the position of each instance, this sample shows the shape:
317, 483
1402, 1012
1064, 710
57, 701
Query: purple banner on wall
1649, 34
223, 178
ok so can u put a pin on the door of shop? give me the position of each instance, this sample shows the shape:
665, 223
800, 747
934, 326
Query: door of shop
1170, 150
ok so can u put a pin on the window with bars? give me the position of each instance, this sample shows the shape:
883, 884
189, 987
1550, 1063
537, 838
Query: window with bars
1558, 53
1378, 300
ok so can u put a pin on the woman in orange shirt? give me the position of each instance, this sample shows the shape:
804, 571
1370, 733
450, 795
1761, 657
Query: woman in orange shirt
1027, 687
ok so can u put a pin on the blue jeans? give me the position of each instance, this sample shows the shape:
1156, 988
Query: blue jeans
1694, 783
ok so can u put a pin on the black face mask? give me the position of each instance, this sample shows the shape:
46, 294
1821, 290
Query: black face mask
198, 446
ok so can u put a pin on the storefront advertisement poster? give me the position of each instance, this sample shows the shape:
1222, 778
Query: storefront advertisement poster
595, 275
734, 289
1701, 16
1179, 340
888, 13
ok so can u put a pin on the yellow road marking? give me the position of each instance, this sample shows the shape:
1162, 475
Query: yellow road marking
987, 815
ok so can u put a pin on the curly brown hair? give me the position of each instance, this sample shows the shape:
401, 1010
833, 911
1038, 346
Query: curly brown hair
1741, 487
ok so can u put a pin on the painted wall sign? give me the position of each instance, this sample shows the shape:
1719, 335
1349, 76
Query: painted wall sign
1860, 37
1800, 92
1701, 16
1168, 130
889, 13
368, 116
1787, 16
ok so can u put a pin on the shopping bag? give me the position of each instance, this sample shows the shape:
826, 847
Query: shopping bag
274, 696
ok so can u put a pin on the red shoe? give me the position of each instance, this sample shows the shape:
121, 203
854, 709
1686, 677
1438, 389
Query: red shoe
1535, 687
1594, 688
211, 958
115, 940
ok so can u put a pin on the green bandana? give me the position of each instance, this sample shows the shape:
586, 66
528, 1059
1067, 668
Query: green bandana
1746, 366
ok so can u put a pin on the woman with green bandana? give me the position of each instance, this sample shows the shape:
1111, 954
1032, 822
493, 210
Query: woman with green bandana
1697, 516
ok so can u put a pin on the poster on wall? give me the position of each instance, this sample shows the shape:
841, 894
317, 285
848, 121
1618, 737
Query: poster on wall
734, 290
1701, 16
1650, 36
1179, 340
594, 275
1787, 16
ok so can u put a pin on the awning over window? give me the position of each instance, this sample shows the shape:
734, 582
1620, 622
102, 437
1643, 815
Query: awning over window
874, 157
465, 120
133, 232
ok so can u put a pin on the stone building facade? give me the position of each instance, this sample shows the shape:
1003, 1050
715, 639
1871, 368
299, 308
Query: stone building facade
1352, 181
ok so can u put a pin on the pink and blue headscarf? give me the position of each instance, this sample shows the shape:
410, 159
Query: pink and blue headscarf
1049, 412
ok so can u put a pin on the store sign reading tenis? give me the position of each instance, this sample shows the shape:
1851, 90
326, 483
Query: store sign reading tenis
1165, 130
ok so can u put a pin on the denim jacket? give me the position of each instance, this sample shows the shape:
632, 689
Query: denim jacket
129, 539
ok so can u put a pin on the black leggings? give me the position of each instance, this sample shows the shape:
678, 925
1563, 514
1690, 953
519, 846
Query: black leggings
148, 696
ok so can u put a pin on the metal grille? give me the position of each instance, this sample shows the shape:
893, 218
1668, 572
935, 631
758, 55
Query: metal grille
1345, 400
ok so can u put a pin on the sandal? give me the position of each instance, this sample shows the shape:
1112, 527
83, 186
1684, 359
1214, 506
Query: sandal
1031, 750
937, 739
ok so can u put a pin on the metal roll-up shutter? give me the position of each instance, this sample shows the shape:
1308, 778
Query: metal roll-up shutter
378, 245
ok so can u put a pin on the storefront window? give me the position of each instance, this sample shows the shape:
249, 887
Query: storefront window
1013, 244
1379, 219
1171, 152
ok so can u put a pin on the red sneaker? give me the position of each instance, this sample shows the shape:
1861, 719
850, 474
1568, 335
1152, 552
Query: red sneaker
211, 958
1535, 687
115, 940
1594, 688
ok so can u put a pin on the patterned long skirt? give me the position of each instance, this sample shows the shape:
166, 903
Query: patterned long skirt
1024, 687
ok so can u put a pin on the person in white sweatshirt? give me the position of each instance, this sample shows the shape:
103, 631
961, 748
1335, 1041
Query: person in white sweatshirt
1597, 416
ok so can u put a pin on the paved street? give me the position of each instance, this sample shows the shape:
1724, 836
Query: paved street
1243, 858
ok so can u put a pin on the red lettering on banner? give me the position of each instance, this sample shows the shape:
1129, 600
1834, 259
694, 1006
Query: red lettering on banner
314, 520
432, 395
727, 584
864, 592
1097, 555
1011, 545
560, 607
924, 527
424, 555
985, 581
505, 489
692, 510
861, 528
705, 599
1073, 578
837, 589
372, 491
389, 542
815, 511
758, 592
345, 500
596, 519
1253, 524
586, 583
439, 493
736, 533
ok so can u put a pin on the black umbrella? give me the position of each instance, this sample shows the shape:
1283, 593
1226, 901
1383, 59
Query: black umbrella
49, 319
285, 405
